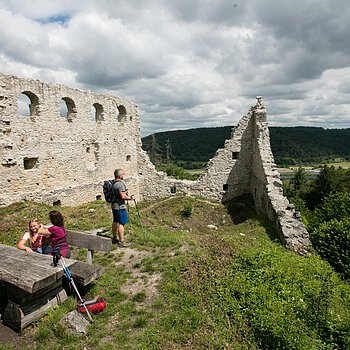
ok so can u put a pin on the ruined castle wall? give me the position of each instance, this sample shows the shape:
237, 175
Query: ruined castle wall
227, 173
64, 159
244, 166
52, 158
153, 184
266, 188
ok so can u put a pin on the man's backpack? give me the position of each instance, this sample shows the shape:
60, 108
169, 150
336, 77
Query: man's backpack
109, 191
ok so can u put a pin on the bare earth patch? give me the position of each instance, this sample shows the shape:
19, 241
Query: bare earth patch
140, 281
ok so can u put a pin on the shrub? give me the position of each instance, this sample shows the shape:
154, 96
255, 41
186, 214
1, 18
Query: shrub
332, 241
335, 206
186, 212
286, 301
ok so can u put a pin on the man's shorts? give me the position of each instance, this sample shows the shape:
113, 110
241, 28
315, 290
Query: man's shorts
120, 216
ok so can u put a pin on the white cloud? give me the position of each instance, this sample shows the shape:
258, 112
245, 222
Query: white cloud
190, 63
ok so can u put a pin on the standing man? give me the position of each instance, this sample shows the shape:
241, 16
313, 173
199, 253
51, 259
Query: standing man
120, 215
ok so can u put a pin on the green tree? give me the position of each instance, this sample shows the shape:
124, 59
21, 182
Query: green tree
299, 179
329, 227
297, 190
335, 206
332, 241
329, 180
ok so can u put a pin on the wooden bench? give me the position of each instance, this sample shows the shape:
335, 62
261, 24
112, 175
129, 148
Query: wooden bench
85, 272
33, 284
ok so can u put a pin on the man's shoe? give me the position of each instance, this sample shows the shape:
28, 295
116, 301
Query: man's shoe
122, 244
115, 240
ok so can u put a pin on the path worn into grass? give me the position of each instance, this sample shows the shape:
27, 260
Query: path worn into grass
140, 281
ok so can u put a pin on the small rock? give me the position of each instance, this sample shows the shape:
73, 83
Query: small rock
213, 227
75, 322
241, 234
92, 210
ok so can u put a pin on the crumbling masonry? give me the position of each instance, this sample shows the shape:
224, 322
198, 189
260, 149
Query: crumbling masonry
70, 140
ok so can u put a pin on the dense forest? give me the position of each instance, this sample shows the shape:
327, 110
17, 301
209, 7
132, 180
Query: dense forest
290, 145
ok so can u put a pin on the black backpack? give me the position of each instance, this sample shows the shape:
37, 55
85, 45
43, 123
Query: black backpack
109, 191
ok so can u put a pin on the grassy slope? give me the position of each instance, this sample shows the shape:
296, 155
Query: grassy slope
233, 287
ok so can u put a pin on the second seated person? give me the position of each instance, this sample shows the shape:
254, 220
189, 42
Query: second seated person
57, 233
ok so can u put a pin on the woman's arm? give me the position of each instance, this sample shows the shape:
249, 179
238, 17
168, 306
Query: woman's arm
43, 231
21, 245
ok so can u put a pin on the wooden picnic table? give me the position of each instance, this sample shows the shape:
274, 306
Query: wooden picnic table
29, 272
32, 285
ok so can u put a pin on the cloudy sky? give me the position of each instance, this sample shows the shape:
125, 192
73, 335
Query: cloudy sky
190, 63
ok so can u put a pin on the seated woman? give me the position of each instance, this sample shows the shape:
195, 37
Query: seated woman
36, 242
57, 233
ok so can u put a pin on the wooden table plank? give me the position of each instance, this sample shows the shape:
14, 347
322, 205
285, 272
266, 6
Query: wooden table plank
30, 272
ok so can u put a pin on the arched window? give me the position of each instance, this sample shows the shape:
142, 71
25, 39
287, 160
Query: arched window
68, 109
97, 112
28, 104
122, 113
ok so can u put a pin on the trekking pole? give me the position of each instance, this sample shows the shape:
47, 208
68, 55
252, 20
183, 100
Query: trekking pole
128, 209
138, 213
58, 256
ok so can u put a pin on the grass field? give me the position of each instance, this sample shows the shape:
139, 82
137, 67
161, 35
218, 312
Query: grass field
184, 285
310, 168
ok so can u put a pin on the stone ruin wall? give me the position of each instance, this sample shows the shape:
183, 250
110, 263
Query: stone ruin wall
70, 156
245, 165
266, 188
63, 159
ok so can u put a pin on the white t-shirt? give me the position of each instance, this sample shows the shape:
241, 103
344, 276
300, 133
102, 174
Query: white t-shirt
26, 236
39, 239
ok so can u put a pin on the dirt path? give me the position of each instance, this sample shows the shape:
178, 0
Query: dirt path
7, 335
140, 281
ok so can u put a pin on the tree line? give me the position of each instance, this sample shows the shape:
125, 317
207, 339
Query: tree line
299, 145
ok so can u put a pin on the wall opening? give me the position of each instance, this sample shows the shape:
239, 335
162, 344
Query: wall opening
56, 203
92, 156
173, 189
235, 155
98, 197
225, 187
68, 109
28, 104
128, 158
30, 163
63, 109
122, 113
97, 112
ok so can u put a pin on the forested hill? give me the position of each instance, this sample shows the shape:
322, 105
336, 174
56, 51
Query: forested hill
290, 145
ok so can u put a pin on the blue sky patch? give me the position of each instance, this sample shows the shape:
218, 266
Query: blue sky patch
54, 19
